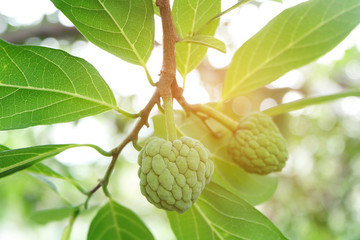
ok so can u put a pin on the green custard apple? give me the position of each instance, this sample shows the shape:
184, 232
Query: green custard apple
257, 145
173, 174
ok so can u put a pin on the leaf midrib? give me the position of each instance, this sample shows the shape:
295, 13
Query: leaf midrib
123, 33
286, 49
113, 214
61, 92
208, 222
2, 170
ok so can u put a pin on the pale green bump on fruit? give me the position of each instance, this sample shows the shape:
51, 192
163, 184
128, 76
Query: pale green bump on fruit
173, 174
257, 145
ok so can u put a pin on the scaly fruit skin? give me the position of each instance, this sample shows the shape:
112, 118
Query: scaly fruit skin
258, 146
173, 174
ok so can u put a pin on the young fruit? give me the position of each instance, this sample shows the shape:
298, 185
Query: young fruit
257, 145
173, 174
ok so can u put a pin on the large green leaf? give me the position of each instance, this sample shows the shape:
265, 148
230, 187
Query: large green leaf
3, 148
116, 222
50, 215
44, 170
15, 160
220, 214
156, 8
251, 187
123, 28
189, 16
299, 104
294, 38
40, 85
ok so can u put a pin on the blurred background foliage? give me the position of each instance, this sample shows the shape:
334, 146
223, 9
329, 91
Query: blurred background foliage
318, 196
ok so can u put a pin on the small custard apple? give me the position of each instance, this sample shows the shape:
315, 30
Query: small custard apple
257, 145
173, 174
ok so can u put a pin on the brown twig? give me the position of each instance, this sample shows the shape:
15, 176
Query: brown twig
144, 116
229, 123
166, 88
168, 70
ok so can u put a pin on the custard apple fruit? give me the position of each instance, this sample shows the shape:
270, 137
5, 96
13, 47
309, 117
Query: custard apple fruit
257, 145
173, 174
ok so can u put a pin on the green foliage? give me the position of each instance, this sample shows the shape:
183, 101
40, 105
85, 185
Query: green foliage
294, 38
3, 148
126, 28
189, 17
255, 189
50, 215
15, 160
114, 221
40, 85
219, 214
156, 8
299, 104
44, 170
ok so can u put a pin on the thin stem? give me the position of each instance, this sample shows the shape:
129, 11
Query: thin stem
136, 145
169, 119
241, 2
127, 114
204, 120
144, 115
67, 232
98, 149
149, 76
228, 122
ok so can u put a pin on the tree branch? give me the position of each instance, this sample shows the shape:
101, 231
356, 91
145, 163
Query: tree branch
165, 86
168, 70
228, 122
42, 31
144, 116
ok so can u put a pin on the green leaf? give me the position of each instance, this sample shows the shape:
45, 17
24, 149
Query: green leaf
15, 160
51, 215
3, 148
40, 85
113, 222
294, 38
44, 170
207, 41
50, 184
299, 104
251, 187
189, 16
123, 28
156, 8
219, 214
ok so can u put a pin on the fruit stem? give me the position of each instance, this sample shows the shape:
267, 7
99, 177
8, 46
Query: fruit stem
169, 118
231, 124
